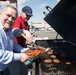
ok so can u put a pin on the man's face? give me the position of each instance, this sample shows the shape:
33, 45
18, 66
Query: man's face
26, 17
8, 17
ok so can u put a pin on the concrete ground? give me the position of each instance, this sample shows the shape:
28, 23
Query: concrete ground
35, 70
49, 34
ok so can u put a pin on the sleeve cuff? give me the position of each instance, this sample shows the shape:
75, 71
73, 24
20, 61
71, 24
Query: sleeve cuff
24, 50
16, 56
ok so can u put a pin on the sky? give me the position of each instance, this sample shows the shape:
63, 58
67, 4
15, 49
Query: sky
38, 7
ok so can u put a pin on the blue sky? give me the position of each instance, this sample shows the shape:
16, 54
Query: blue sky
38, 7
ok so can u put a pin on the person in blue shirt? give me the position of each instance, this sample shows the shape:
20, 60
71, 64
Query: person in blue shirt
7, 44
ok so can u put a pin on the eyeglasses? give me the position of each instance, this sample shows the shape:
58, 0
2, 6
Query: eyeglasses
28, 15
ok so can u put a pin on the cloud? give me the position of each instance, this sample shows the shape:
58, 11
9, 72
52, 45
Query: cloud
57, 0
5, 3
21, 1
20, 5
42, 5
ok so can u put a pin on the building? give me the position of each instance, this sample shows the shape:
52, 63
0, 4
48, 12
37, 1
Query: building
40, 26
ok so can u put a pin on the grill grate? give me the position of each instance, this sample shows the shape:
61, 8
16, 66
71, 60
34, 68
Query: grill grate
60, 68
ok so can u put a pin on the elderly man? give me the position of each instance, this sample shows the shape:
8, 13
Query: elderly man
7, 44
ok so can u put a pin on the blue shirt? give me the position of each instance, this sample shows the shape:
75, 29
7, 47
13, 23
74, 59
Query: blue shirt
7, 45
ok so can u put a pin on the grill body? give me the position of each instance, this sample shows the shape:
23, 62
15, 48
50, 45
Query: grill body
63, 19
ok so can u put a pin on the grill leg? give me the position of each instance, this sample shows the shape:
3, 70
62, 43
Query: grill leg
37, 67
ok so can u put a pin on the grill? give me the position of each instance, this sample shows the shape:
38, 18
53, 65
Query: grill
64, 52
62, 67
63, 19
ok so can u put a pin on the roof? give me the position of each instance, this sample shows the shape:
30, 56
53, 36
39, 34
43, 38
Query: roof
11, 1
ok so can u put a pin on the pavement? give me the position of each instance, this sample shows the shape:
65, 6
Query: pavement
48, 34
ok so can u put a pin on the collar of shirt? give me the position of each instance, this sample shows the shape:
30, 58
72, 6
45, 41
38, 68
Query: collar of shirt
22, 19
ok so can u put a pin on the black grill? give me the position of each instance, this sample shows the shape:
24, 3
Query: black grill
61, 68
63, 19
64, 51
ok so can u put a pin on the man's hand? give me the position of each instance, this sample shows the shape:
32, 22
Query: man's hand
24, 57
28, 36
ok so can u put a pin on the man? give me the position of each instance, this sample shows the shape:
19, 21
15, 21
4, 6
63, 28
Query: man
21, 22
7, 18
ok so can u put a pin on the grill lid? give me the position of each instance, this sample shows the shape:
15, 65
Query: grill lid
63, 19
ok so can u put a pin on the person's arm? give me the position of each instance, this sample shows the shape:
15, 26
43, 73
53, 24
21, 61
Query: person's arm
27, 35
18, 48
23, 56
7, 55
